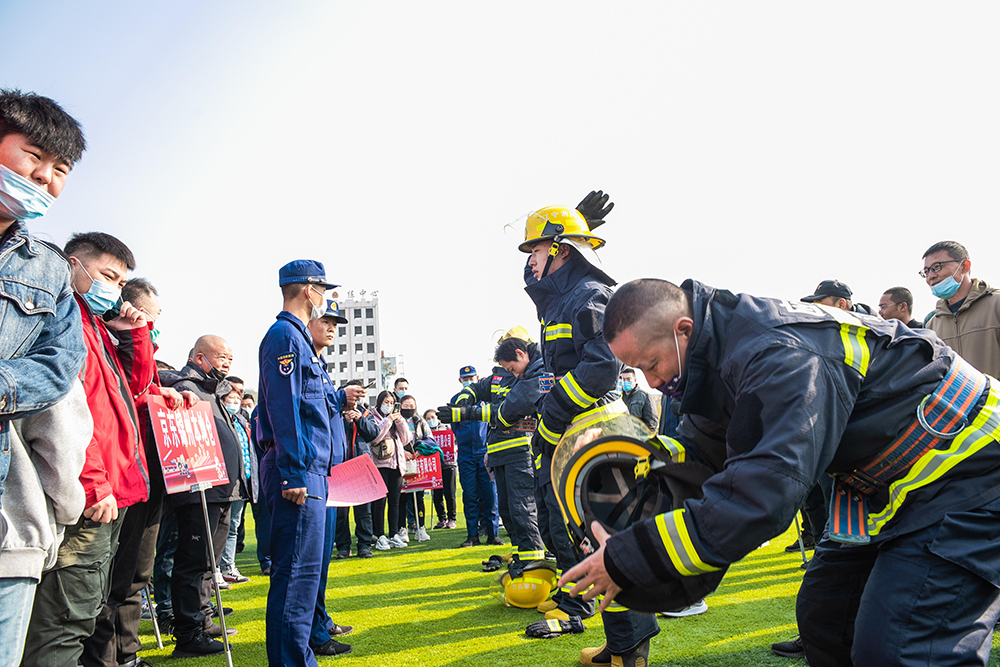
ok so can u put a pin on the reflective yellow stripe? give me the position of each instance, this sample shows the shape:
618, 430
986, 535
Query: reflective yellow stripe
936, 463
857, 354
547, 434
501, 419
596, 415
507, 444
673, 530
613, 607
499, 391
553, 625
554, 331
538, 462
674, 448
456, 414
575, 393
532, 555
486, 413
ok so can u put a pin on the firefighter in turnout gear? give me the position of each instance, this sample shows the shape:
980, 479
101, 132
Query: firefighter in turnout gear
909, 574
569, 288
508, 454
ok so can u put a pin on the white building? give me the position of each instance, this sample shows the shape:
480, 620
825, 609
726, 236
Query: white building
357, 350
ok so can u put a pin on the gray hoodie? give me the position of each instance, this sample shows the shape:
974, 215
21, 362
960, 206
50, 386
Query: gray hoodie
43, 485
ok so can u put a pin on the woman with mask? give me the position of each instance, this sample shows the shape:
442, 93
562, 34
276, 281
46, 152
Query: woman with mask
445, 496
419, 431
389, 451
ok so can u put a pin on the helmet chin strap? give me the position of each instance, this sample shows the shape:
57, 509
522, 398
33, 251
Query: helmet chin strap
553, 253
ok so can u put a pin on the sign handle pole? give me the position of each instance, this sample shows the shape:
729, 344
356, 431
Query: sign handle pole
215, 578
802, 547
156, 624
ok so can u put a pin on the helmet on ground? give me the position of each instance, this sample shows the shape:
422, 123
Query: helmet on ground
618, 474
532, 587
558, 223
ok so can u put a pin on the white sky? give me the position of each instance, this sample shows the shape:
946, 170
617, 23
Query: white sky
760, 147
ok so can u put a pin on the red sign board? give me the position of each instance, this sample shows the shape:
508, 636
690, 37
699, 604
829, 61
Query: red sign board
428, 474
188, 445
446, 441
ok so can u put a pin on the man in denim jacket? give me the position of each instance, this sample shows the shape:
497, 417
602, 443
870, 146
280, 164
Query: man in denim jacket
42, 349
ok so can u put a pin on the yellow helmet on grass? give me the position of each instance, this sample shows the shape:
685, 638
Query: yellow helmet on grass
532, 587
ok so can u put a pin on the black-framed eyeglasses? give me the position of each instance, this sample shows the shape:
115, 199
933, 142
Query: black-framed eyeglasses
936, 267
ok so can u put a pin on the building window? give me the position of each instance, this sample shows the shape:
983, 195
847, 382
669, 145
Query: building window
369, 331
360, 365
371, 348
357, 331
369, 313
357, 313
358, 347
342, 331
371, 365
343, 366
343, 349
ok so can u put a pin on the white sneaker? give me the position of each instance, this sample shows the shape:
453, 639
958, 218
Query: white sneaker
402, 536
422, 535
698, 607
396, 542
382, 543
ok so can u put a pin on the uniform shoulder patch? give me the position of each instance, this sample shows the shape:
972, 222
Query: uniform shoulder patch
286, 363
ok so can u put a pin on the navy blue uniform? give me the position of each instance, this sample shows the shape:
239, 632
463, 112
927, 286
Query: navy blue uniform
479, 494
802, 391
294, 427
570, 304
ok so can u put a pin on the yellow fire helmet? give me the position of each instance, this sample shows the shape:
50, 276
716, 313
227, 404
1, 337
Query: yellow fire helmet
557, 223
619, 474
516, 332
532, 587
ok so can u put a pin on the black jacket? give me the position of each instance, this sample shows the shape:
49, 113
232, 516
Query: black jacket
359, 433
212, 391
503, 445
800, 391
640, 406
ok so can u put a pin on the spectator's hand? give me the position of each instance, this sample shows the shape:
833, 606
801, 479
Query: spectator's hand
396, 417
190, 398
130, 318
297, 496
590, 574
352, 414
354, 394
171, 397
103, 511
409, 456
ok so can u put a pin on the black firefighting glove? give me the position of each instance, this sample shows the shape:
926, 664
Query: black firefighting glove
550, 627
448, 414
515, 568
493, 564
540, 445
593, 208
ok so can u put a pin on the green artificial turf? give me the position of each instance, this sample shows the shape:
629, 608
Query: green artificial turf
430, 605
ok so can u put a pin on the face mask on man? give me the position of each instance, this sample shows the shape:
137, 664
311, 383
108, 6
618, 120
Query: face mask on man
669, 388
408, 413
212, 371
101, 296
466, 383
627, 386
400, 393
317, 311
947, 287
21, 199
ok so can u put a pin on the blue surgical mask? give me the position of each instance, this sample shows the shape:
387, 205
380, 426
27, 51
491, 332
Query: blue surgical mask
401, 393
466, 383
21, 199
628, 386
947, 287
232, 408
385, 408
101, 296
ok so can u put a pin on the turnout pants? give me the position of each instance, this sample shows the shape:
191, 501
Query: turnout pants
516, 486
297, 536
479, 495
930, 597
70, 596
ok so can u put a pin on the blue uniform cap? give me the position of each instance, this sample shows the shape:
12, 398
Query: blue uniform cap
333, 311
304, 271
467, 371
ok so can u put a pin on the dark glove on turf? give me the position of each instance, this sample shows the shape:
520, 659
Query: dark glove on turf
448, 414
593, 208
493, 564
550, 627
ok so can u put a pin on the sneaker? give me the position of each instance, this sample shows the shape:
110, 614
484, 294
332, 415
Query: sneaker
808, 542
215, 611
341, 555
234, 577
215, 630
470, 542
451, 524
440, 524
382, 543
221, 583
145, 614
199, 645
333, 647
698, 607
403, 536
166, 624
789, 649
364, 552
396, 542
341, 630
495, 541
422, 535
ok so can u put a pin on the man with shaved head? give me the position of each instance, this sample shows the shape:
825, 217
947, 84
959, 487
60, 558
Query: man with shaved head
191, 583
908, 574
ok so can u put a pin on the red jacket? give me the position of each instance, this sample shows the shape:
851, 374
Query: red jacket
115, 460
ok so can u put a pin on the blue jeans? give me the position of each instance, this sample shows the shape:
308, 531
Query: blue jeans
479, 496
16, 599
229, 553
